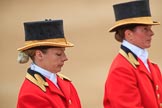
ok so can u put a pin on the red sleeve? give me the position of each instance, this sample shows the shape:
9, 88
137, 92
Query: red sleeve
75, 97
121, 90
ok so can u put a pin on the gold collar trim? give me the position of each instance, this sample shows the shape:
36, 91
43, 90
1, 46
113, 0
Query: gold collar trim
129, 57
37, 80
63, 77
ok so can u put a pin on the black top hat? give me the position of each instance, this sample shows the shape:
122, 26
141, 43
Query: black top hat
135, 12
44, 33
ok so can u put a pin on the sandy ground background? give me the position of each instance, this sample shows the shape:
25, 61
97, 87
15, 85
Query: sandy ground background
86, 24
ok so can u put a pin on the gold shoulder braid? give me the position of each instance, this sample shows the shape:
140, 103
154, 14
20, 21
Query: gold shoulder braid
37, 80
129, 57
63, 77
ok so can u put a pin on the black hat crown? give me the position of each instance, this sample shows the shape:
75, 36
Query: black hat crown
44, 33
132, 9
41, 30
134, 12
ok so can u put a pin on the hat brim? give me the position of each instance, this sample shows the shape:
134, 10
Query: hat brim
138, 20
60, 42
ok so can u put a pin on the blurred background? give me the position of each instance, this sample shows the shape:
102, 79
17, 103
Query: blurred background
86, 24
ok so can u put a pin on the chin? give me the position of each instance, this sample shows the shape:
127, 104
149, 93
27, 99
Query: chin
58, 71
148, 46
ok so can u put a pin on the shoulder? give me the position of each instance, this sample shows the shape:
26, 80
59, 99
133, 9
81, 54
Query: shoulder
63, 77
130, 57
37, 80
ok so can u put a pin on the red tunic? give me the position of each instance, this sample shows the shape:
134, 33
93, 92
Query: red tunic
34, 95
131, 85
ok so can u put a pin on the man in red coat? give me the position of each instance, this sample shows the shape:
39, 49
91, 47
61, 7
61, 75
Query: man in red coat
43, 86
133, 81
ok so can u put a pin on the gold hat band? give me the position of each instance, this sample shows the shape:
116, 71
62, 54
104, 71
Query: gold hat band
60, 42
137, 20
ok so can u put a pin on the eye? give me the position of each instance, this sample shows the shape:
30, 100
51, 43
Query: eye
145, 28
58, 54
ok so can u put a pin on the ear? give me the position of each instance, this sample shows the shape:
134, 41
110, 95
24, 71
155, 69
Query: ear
38, 54
128, 34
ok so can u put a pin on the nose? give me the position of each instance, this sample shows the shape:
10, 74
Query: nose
151, 32
65, 57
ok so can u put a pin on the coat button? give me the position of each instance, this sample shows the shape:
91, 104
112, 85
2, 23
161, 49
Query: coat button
158, 96
157, 87
161, 105
70, 102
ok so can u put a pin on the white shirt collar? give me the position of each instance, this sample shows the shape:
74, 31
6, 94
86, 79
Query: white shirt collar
51, 76
139, 52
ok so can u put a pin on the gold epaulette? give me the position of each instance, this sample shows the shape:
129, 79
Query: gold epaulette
63, 77
130, 58
37, 80
152, 62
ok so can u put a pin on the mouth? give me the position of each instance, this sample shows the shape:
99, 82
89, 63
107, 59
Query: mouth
149, 40
61, 65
